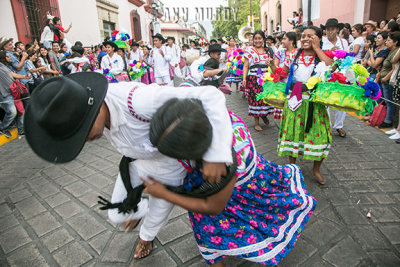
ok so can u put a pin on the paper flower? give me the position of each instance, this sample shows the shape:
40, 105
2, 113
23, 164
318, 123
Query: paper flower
362, 80
329, 53
278, 74
360, 70
346, 63
312, 82
351, 78
351, 54
337, 76
339, 53
372, 89
106, 71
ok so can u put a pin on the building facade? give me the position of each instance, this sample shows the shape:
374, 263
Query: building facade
92, 20
180, 31
346, 11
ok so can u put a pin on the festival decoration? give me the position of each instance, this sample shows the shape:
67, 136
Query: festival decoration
236, 61
136, 69
119, 38
110, 77
273, 88
342, 86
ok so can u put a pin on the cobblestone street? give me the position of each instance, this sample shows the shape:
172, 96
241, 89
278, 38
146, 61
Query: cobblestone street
49, 214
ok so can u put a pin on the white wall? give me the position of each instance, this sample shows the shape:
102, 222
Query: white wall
7, 22
124, 11
84, 19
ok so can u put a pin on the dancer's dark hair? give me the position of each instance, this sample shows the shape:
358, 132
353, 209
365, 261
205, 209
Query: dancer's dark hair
180, 129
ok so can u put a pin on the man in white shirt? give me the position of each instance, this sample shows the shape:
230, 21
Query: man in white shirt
161, 61
223, 54
112, 61
123, 114
135, 53
175, 52
332, 42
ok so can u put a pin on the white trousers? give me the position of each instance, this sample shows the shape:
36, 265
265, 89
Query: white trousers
155, 210
340, 116
165, 79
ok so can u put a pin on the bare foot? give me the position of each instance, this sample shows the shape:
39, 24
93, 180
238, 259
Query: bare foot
130, 225
143, 249
258, 128
320, 179
265, 120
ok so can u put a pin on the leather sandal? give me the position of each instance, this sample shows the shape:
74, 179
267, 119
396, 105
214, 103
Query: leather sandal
342, 132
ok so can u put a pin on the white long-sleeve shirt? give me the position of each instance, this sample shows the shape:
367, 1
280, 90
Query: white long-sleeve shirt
47, 35
138, 55
175, 53
340, 44
130, 136
115, 64
161, 66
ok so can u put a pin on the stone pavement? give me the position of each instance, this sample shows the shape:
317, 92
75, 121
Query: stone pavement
49, 214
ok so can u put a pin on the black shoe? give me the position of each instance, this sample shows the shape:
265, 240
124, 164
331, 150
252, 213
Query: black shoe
397, 141
21, 133
385, 125
6, 133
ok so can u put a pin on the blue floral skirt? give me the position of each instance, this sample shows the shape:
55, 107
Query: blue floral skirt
262, 220
232, 78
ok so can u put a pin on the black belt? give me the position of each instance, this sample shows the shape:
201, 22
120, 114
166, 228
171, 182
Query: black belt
134, 195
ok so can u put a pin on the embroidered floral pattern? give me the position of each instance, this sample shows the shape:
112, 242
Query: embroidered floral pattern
268, 208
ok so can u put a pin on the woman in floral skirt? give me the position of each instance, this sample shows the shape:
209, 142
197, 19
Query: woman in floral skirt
257, 60
283, 57
258, 215
305, 130
231, 77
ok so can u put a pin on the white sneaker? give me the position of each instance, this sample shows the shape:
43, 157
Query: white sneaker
390, 132
395, 136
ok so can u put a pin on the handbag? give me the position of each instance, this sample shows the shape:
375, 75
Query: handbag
19, 91
378, 114
171, 71
182, 63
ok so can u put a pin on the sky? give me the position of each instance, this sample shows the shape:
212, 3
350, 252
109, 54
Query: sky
191, 6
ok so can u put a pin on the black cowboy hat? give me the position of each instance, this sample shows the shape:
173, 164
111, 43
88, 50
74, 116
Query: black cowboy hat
160, 37
112, 44
332, 22
215, 48
61, 114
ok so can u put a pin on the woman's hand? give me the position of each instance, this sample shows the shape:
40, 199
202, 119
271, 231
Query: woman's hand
155, 188
244, 82
315, 42
212, 171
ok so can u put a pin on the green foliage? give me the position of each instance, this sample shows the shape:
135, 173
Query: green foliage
240, 10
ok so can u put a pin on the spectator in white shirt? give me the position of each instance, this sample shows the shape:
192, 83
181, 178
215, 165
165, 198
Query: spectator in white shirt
175, 53
333, 42
113, 62
357, 46
135, 53
161, 61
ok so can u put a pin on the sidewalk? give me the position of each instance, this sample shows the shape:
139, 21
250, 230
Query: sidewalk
49, 214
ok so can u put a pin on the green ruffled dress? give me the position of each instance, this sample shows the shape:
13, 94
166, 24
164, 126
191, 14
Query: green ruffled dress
294, 141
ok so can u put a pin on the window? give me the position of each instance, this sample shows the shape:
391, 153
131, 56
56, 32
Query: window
108, 27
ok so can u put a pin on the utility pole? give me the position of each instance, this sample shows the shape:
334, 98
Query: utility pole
251, 15
309, 13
